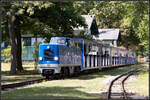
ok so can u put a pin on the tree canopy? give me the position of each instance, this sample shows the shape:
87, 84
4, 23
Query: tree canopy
130, 17
44, 19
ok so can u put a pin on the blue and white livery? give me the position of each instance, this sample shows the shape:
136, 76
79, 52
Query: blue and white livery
66, 56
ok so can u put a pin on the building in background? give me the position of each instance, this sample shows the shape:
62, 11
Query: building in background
28, 41
91, 28
109, 36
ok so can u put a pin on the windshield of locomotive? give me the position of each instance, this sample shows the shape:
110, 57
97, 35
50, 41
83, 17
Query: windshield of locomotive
48, 55
61, 41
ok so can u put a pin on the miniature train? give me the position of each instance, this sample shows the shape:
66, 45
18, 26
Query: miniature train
66, 56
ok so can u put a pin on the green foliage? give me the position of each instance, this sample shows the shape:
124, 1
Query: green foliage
7, 52
45, 19
143, 35
111, 44
61, 18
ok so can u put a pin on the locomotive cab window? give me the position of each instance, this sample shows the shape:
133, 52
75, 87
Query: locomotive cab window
61, 41
48, 55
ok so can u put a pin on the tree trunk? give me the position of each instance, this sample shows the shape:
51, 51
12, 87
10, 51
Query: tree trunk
19, 50
11, 19
19, 44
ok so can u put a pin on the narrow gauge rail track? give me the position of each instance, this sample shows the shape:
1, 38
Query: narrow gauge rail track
119, 82
21, 84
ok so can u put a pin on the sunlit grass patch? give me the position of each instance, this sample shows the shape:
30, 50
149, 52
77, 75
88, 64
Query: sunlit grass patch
26, 66
5, 67
29, 73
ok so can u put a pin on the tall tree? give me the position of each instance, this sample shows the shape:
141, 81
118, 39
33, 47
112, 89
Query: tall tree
44, 19
19, 44
11, 18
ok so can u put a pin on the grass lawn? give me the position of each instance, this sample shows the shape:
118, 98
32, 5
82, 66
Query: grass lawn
79, 87
28, 74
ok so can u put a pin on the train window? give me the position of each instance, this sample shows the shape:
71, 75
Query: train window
92, 49
112, 52
108, 50
103, 50
85, 49
106, 53
100, 51
60, 41
72, 43
89, 47
116, 52
48, 55
124, 53
77, 44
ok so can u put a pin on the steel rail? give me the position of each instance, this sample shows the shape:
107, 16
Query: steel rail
122, 83
130, 72
20, 84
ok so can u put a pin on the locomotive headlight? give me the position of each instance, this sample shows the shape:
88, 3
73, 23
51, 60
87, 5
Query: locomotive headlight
55, 58
40, 58
48, 47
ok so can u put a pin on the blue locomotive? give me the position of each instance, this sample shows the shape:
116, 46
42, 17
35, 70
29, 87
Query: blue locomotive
67, 56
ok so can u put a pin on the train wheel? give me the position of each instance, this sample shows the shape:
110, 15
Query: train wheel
62, 73
47, 77
67, 71
77, 71
57, 76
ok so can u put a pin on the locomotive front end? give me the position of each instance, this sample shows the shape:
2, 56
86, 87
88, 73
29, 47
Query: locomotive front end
48, 59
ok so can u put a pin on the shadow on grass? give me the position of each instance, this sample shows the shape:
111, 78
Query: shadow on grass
49, 93
12, 80
16, 80
19, 76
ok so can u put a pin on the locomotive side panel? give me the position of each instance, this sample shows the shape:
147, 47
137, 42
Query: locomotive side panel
69, 56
